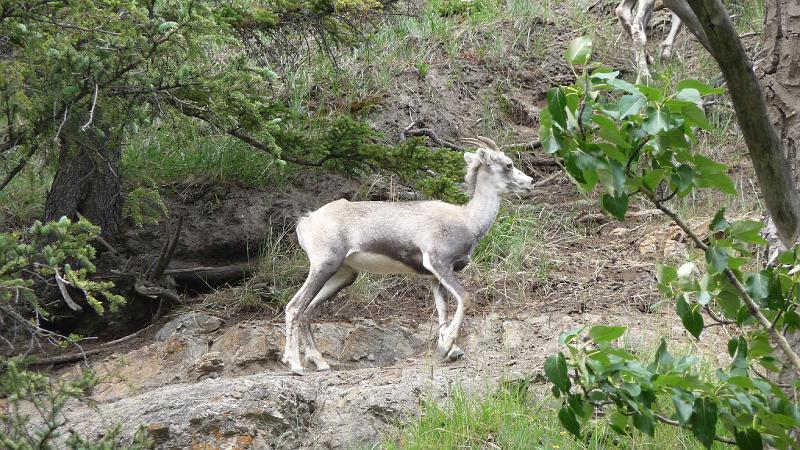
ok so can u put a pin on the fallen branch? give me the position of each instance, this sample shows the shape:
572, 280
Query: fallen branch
416, 128
72, 357
548, 180
636, 214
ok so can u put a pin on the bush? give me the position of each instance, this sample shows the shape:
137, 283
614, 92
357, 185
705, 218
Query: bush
33, 416
55, 254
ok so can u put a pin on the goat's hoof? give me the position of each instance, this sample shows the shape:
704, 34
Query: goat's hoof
443, 351
299, 371
455, 354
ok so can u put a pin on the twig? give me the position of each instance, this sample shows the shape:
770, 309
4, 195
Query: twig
65, 293
22, 163
547, 180
675, 423
752, 307
167, 252
91, 111
72, 357
63, 121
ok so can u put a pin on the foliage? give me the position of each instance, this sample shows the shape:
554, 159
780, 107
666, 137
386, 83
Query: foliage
53, 253
144, 206
637, 140
116, 68
510, 417
33, 418
354, 148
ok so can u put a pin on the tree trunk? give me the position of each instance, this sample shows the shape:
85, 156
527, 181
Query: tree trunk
87, 181
780, 79
780, 75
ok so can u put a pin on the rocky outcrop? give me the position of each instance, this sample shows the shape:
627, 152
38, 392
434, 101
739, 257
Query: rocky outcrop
208, 388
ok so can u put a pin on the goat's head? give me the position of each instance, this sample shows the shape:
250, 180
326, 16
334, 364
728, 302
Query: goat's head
495, 163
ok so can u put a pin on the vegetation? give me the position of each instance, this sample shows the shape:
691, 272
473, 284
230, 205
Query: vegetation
638, 140
185, 94
33, 418
56, 254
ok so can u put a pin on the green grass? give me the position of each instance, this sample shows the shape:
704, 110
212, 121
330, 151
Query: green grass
22, 201
511, 417
519, 415
172, 158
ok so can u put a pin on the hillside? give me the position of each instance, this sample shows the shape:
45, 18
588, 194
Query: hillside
208, 375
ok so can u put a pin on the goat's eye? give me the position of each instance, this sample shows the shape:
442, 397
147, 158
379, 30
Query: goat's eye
509, 166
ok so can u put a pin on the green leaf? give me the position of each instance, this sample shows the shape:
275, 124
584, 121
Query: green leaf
689, 94
665, 273
608, 130
579, 50
704, 420
605, 333
625, 86
747, 231
749, 439
691, 319
556, 106
717, 258
629, 105
653, 178
683, 178
617, 206
716, 180
757, 285
656, 121
696, 116
618, 422
567, 418
719, 223
555, 369
645, 424
683, 409
699, 86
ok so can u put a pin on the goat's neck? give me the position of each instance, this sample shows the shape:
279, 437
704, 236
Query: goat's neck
485, 203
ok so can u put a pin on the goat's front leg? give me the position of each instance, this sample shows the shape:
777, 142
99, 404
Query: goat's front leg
624, 12
443, 272
669, 42
439, 295
639, 37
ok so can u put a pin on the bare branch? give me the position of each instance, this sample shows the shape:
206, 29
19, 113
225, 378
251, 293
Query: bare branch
429, 133
85, 126
62, 286
18, 168
675, 423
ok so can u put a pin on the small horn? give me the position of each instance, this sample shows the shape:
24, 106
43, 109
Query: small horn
473, 141
489, 142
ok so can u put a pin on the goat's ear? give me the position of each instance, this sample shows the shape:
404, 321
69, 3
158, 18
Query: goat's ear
482, 155
469, 157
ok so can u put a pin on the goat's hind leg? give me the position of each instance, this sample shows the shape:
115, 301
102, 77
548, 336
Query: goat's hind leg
669, 42
318, 274
446, 344
344, 277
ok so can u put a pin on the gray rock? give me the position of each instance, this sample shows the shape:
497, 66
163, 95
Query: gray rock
189, 324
